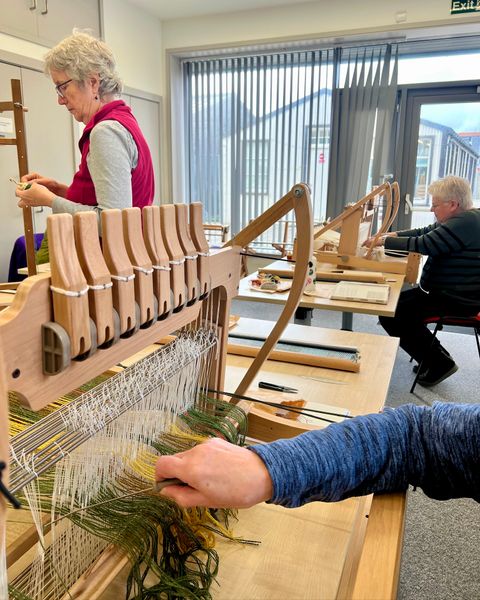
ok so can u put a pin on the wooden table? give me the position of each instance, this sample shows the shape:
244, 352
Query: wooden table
308, 303
322, 551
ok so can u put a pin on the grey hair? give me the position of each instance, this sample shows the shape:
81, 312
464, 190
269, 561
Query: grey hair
81, 55
452, 187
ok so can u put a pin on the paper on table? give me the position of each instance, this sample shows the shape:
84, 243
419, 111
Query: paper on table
361, 292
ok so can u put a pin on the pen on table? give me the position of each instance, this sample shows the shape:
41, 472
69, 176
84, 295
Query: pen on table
277, 388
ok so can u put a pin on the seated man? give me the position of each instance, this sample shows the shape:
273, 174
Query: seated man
450, 280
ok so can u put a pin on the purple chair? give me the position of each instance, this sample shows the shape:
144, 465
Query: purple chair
18, 259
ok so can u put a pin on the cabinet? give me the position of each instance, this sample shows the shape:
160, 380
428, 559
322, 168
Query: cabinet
46, 22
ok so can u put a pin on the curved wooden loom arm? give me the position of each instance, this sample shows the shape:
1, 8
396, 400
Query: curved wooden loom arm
396, 204
386, 221
297, 199
336, 223
388, 211
394, 200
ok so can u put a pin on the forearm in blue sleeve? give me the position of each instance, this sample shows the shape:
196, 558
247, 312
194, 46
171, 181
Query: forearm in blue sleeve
436, 448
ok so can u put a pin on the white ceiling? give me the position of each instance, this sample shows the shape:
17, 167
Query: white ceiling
177, 9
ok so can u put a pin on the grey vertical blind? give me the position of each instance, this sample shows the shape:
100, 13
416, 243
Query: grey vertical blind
364, 110
255, 126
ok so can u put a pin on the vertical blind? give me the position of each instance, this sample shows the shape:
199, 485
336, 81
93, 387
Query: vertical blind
363, 123
256, 125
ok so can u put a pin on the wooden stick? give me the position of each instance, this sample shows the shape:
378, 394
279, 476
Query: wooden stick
120, 268
70, 311
189, 251
175, 254
18, 110
298, 358
198, 237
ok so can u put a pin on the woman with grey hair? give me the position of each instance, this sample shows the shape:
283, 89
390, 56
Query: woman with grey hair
116, 168
450, 280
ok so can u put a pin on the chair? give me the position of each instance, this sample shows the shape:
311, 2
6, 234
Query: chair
473, 322
18, 258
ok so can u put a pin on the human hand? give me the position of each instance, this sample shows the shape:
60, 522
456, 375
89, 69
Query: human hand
372, 241
51, 184
218, 475
36, 195
381, 239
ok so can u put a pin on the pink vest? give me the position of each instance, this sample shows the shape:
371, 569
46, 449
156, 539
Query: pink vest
82, 190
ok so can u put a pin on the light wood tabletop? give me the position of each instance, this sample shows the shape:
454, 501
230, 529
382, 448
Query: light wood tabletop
395, 282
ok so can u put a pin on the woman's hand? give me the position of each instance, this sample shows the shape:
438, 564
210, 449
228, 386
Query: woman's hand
218, 475
36, 195
58, 189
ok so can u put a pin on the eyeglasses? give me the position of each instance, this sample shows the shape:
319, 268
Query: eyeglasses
434, 206
60, 87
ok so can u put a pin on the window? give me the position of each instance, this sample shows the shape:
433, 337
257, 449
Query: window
255, 126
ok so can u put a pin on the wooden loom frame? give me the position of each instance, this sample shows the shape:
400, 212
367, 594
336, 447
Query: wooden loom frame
16, 106
33, 306
349, 223
78, 262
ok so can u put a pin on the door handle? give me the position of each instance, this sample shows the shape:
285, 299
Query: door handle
408, 204
45, 7
33, 5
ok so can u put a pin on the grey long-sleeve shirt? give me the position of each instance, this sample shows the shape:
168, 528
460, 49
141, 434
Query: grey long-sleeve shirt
435, 448
112, 156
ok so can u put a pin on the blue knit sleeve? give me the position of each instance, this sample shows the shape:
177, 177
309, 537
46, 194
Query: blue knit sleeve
436, 448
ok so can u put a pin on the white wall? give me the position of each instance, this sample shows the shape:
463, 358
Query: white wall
135, 38
324, 18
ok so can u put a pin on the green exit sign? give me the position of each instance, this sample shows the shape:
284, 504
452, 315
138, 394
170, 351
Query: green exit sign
464, 6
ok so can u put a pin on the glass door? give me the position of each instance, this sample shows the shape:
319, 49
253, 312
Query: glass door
442, 137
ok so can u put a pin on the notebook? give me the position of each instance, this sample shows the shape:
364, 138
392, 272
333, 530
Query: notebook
361, 292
